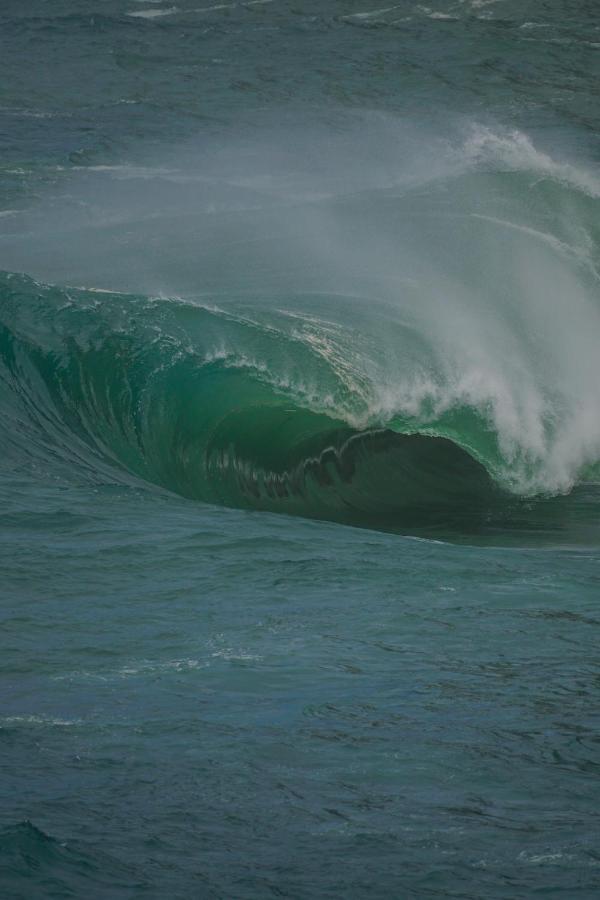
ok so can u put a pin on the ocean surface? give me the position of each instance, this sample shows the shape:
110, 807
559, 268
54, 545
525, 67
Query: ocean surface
299, 449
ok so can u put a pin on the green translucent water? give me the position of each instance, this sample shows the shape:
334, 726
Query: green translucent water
299, 450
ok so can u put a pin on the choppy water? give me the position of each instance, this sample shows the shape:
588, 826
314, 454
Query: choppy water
299, 449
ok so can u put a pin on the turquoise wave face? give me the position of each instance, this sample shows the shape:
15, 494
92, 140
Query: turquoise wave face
213, 405
246, 405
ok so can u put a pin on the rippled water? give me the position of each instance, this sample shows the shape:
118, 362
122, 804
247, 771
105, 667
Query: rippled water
299, 445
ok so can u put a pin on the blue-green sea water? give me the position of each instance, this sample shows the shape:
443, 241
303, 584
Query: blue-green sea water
299, 449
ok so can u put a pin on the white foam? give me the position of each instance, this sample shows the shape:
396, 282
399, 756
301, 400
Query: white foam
480, 4
8, 721
217, 6
435, 14
229, 653
145, 667
371, 14
152, 13
93, 290
124, 171
541, 858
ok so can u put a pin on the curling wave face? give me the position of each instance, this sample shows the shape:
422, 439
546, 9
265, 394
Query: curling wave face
213, 405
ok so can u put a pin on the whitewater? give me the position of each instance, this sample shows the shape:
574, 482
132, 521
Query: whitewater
299, 449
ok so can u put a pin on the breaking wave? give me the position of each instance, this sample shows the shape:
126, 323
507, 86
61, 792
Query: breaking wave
406, 346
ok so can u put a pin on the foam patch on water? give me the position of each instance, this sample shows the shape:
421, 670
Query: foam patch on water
125, 171
373, 13
152, 13
481, 5
436, 14
34, 721
230, 653
147, 667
